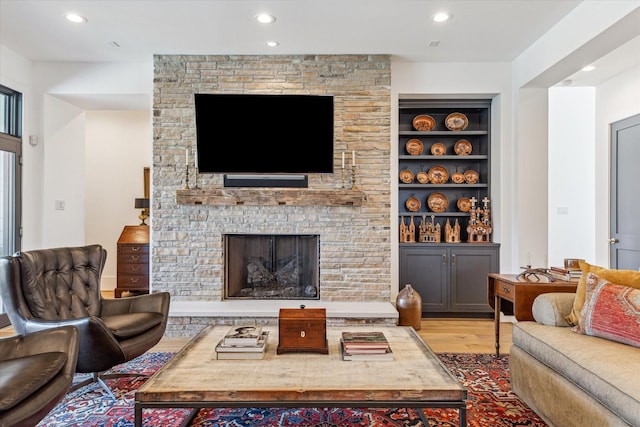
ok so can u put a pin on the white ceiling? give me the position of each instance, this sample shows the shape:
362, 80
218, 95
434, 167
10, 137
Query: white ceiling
480, 31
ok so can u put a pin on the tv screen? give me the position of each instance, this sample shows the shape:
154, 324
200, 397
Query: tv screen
264, 134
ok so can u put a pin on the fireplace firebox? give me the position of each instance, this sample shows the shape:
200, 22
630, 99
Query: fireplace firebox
272, 266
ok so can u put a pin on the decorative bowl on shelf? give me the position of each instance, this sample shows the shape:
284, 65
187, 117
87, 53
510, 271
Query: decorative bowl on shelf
456, 121
464, 204
423, 122
463, 148
406, 176
438, 149
414, 147
413, 204
471, 177
457, 178
437, 202
422, 177
438, 175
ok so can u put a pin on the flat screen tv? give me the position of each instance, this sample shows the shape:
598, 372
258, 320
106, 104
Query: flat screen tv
264, 134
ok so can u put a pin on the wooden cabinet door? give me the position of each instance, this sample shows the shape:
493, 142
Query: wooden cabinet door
426, 269
470, 266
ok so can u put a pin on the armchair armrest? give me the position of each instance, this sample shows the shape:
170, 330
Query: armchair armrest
155, 302
552, 308
64, 339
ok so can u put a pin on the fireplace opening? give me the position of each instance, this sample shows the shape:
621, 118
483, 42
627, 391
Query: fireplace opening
272, 266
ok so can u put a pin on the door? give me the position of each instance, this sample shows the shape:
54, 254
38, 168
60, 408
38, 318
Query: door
624, 235
470, 267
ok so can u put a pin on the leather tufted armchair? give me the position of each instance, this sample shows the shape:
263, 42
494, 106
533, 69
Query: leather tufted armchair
36, 371
48, 288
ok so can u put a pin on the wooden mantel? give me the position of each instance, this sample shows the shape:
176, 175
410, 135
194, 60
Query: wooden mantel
270, 197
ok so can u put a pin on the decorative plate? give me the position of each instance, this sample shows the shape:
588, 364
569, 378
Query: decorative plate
414, 147
438, 149
422, 177
456, 121
437, 202
464, 204
457, 178
406, 176
471, 177
424, 122
438, 175
462, 147
413, 204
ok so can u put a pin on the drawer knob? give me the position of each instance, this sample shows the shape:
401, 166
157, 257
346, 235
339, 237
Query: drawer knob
506, 290
302, 334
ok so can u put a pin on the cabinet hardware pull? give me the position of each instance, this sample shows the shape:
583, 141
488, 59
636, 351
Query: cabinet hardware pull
444, 259
135, 268
613, 240
303, 334
135, 257
453, 260
506, 290
134, 280
135, 248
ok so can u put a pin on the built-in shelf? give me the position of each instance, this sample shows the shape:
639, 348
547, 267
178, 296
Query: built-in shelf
270, 197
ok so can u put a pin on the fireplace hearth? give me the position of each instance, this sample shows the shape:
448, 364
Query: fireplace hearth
272, 266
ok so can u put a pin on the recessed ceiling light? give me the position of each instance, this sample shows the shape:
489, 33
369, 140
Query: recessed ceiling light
441, 17
264, 18
272, 44
74, 17
588, 68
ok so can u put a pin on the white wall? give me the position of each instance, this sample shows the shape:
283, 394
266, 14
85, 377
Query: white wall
117, 148
571, 174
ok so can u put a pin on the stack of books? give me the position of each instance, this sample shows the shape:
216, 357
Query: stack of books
243, 342
369, 346
566, 274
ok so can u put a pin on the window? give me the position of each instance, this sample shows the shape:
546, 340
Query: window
10, 174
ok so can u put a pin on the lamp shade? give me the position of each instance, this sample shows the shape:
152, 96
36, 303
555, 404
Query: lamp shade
142, 203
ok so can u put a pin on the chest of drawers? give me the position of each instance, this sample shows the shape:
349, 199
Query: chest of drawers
133, 260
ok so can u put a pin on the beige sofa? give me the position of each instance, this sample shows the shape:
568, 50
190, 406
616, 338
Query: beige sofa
571, 379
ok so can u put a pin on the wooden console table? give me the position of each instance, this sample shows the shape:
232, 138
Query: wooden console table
520, 293
133, 260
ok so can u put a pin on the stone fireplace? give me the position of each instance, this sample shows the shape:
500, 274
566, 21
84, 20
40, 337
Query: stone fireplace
188, 233
271, 266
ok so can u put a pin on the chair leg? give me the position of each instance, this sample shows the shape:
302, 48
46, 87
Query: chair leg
98, 378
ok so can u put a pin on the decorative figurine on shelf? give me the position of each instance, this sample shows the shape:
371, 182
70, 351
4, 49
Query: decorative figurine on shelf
452, 234
479, 229
407, 232
429, 232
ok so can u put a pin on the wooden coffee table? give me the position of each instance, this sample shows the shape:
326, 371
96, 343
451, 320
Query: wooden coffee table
194, 378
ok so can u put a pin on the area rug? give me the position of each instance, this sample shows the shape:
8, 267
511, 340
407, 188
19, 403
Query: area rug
490, 403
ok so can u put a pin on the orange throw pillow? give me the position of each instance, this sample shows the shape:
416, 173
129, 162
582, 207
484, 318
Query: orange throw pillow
629, 278
610, 311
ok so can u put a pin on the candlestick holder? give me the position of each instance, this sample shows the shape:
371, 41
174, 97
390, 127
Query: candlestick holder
353, 177
344, 178
186, 177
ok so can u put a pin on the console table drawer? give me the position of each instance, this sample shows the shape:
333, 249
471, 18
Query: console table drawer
133, 282
505, 290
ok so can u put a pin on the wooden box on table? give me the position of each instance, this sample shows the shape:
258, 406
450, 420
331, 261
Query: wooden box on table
302, 330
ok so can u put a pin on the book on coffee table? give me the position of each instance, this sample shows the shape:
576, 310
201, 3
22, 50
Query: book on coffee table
226, 351
365, 342
386, 355
243, 335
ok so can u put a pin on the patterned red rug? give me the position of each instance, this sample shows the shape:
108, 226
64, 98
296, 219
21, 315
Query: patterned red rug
491, 403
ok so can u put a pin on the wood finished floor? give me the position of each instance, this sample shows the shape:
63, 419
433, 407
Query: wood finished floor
442, 335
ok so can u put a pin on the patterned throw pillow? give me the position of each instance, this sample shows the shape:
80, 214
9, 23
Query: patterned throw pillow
610, 311
629, 278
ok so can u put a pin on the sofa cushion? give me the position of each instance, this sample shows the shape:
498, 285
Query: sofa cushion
131, 324
621, 277
605, 369
22, 376
610, 311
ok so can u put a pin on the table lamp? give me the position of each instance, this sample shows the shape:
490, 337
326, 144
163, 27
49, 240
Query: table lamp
144, 205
